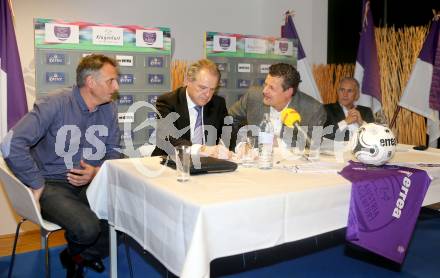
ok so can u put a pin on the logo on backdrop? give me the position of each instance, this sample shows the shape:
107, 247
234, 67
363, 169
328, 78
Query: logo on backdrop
125, 100
55, 77
155, 79
61, 33
126, 135
283, 47
264, 68
126, 79
152, 99
127, 117
124, 60
155, 62
222, 66
223, 83
241, 67
151, 115
243, 83
224, 43
255, 46
55, 59
107, 35
150, 38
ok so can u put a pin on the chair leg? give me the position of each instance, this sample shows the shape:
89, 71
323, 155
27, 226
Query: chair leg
11, 265
127, 250
43, 235
47, 254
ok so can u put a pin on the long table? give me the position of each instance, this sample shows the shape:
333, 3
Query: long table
187, 225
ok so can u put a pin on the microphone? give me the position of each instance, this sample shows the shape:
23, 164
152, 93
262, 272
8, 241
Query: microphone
290, 118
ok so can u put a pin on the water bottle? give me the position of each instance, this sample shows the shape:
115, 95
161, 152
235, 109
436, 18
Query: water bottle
265, 143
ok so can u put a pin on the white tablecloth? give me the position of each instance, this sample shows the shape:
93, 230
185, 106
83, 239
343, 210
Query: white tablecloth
187, 225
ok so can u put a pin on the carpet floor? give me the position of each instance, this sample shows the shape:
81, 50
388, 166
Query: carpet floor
422, 260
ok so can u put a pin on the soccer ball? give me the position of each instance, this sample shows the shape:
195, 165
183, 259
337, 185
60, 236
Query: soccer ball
373, 144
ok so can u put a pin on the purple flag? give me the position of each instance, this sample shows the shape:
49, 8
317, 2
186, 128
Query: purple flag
11, 74
422, 92
367, 66
308, 84
384, 206
431, 54
288, 30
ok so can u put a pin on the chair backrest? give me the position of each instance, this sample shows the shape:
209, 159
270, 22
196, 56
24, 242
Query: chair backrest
20, 195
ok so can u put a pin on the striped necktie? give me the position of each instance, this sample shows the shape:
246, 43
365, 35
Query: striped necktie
198, 127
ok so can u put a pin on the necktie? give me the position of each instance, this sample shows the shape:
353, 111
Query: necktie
198, 127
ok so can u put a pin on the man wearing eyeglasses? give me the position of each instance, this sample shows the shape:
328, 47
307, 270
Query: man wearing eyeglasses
56, 150
198, 114
344, 115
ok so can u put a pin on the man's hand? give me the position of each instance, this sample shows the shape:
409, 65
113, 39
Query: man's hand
37, 194
80, 177
354, 116
217, 151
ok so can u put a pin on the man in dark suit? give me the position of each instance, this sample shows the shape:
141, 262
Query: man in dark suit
198, 116
344, 115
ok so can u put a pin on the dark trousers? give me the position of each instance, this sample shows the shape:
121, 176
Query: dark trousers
67, 206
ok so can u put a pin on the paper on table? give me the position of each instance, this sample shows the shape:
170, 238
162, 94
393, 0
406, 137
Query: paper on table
323, 167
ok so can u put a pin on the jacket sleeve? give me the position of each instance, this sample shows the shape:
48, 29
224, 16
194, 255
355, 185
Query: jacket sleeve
238, 112
330, 122
113, 143
23, 136
167, 134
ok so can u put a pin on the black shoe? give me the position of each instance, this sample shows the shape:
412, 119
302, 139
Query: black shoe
95, 265
73, 270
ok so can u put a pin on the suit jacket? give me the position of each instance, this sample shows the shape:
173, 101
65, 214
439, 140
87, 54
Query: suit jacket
249, 110
335, 114
177, 132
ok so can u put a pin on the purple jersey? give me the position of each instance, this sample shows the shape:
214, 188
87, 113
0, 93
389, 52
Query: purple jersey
384, 206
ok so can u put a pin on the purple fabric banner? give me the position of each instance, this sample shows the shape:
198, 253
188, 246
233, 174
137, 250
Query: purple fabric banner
307, 84
384, 206
434, 94
427, 53
367, 55
10, 64
288, 30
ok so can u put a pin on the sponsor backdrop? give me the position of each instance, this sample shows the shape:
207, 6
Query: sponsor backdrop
244, 60
143, 54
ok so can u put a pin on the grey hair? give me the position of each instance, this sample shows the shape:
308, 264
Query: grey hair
348, 78
196, 67
90, 65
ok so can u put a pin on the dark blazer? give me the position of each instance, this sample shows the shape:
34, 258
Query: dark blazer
214, 113
335, 114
